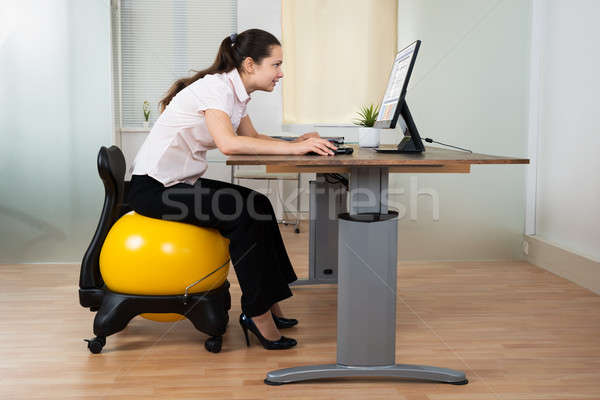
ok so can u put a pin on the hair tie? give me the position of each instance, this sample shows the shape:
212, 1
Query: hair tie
233, 37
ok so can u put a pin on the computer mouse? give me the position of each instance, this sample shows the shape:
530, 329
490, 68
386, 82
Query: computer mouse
338, 151
344, 150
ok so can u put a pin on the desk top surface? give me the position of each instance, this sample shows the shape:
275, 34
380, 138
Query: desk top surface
369, 157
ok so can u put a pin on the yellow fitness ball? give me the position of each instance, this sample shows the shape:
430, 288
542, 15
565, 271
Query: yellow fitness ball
148, 256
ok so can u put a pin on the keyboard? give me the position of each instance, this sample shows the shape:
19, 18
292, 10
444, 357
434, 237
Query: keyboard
337, 140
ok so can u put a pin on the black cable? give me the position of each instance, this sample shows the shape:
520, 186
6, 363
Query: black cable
342, 179
337, 178
329, 177
429, 140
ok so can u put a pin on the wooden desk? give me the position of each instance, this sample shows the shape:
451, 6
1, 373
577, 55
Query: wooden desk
434, 160
367, 246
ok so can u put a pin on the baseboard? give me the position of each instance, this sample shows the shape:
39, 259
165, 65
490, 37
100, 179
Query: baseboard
567, 264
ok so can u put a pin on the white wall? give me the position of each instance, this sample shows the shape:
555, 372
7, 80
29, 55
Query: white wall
568, 186
469, 88
54, 115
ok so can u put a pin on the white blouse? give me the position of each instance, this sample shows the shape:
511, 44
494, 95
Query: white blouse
175, 149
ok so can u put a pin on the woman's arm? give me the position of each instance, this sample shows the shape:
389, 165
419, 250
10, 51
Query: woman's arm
219, 126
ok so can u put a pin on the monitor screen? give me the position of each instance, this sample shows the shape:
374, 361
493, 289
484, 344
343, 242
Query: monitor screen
396, 88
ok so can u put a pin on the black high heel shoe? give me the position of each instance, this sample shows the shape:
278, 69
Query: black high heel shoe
281, 344
283, 323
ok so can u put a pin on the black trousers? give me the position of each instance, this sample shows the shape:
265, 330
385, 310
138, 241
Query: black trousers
242, 215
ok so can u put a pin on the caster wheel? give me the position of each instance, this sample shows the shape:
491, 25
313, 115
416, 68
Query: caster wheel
213, 344
297, 230
96, 344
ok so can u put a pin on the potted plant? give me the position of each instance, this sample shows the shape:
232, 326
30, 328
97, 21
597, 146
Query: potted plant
367, 135
146, 109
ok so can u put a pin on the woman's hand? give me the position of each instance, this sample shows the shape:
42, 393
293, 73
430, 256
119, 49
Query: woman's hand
318, 145
307, 136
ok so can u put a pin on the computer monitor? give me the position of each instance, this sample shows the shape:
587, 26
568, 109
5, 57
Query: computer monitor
393, 105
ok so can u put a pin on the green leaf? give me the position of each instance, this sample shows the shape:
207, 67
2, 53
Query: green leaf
368, 115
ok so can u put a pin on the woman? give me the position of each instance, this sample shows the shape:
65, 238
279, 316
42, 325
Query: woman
204, 112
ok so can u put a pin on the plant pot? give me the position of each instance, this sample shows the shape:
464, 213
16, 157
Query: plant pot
146, 124
368, 137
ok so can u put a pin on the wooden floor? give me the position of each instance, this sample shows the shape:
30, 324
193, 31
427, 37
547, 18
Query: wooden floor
518, 331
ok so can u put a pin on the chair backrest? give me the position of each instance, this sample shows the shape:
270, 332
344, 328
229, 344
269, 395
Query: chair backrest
111, 167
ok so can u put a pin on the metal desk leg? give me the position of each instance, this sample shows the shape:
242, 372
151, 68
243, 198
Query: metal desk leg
327, 200
367, 253
406, 371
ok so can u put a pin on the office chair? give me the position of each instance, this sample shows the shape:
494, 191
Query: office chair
237, 174
208, 311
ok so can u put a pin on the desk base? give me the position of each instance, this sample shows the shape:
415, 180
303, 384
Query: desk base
405, 371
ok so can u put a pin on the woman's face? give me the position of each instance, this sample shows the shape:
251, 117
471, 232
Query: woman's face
268, 72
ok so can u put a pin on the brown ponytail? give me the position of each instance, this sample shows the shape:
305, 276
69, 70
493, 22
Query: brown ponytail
253, 43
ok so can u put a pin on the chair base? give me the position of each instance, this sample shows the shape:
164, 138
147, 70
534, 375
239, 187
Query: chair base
296, 223
208, 311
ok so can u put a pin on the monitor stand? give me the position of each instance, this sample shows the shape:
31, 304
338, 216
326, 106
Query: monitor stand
411, 142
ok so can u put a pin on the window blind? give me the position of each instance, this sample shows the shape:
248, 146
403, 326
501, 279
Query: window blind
156, 42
